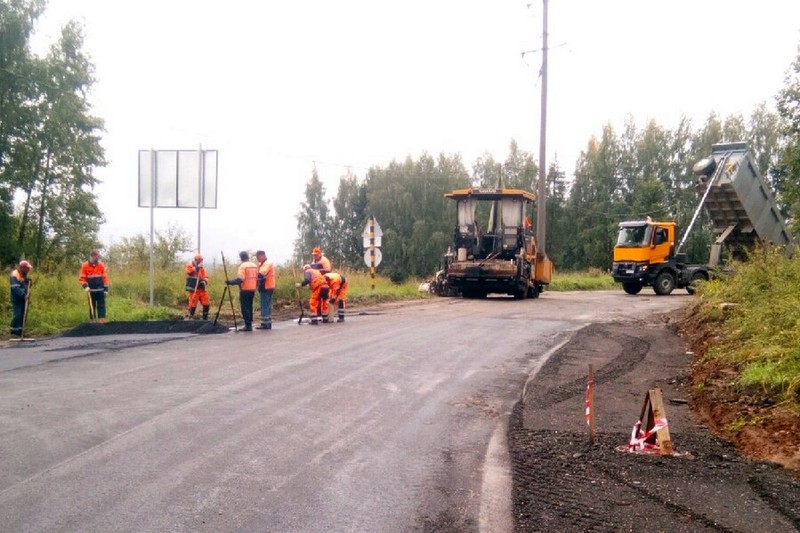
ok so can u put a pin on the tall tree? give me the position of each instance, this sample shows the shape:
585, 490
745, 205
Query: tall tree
787, 167
349, 208
17, 96
313, 220
53, 156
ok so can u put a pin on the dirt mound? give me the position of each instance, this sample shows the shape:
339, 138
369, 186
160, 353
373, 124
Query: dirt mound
154, 326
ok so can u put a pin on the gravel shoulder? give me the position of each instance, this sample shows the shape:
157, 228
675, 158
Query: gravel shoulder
561, 482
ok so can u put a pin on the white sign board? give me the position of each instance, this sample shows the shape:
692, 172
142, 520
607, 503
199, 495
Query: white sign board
378, 234
378, 257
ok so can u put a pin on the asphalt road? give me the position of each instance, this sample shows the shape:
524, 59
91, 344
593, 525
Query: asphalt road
395, 420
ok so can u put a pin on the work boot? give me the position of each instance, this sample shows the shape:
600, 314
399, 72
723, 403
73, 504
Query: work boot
340, 319
314, 321
264, 326
206, 309
247, 328
325, 320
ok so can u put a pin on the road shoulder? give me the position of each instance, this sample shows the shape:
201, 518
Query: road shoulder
561, 482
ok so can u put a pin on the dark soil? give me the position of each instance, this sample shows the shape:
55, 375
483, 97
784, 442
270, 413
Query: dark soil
564, 483
153, 326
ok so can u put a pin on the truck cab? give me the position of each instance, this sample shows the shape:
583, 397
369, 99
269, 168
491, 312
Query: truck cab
644, 255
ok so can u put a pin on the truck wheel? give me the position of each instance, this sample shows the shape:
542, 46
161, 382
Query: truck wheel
665, 284
697, 277
632, 288
521, 294
533, 292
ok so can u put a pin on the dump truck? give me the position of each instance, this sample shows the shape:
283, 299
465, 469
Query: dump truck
743, 214
499, 256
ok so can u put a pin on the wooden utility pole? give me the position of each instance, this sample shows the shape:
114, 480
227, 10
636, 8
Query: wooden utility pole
541, 191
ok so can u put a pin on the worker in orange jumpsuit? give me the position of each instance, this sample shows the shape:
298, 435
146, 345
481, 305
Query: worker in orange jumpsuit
94, 280
20, 285
320, 262
247, 280
196, 285
318, 303
338, 292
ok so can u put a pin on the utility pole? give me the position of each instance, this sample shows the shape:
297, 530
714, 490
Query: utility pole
541, 190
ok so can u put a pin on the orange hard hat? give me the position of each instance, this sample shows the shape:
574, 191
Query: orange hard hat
25, 264
316, 251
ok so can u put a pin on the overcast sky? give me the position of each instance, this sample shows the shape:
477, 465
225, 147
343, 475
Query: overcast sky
278, 87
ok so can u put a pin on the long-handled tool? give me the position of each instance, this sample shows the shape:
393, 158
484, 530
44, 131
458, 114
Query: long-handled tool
25, 312
92, 308
230, 292
194, 292
299, 300
221, 302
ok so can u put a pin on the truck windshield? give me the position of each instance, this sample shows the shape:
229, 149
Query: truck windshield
635, 235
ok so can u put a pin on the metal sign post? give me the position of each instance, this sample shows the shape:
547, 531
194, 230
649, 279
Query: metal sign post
176, 178
372, 242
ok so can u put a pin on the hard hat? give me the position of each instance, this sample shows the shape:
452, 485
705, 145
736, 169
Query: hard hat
198, 257
316, 251
306, 267
261, 252
25, 264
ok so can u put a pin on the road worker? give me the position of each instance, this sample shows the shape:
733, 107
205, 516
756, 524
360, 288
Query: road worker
247, 280
20, 285
196, 286
318, 303
266, 286
320, 262
338, 292
94, 280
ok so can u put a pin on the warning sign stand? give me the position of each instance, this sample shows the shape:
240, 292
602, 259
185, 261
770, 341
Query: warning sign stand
651, 433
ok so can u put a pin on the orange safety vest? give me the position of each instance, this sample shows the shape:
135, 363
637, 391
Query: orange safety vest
248, 273
192, 275
315, 279
267, 269
94, 275
323, 265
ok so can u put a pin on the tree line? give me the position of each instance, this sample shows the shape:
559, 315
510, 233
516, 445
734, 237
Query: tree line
620, 175
50, 148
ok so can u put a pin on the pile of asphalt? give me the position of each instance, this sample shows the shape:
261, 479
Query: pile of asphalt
154, 326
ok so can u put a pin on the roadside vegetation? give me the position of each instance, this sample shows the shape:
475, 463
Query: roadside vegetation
748, 327
58, 303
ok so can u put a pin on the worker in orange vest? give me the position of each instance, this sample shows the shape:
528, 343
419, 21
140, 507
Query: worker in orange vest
318, 303
321, 263
196, 283
247, 280
338, 292
94, 280
266, 286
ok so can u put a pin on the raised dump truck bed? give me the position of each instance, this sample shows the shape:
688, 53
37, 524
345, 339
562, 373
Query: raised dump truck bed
738, 201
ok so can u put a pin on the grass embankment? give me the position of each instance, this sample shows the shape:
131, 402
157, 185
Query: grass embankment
750, 323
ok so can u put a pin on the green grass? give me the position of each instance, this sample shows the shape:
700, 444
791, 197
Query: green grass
58, 303
760, 335
591, 280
